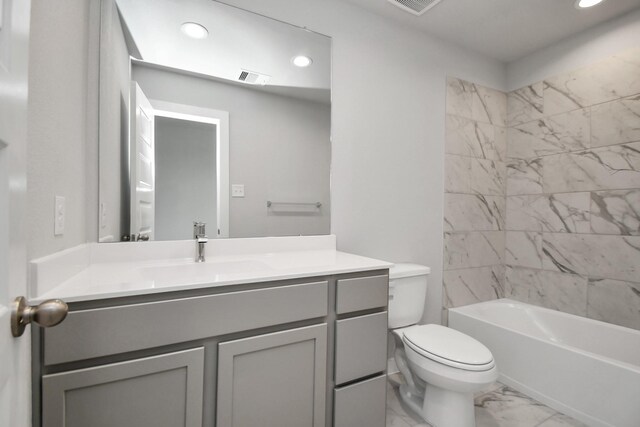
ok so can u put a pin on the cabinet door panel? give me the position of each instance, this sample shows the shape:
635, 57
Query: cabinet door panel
362, 404
273, 380
160, 391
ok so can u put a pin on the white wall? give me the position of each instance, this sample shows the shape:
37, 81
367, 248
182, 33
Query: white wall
279, 149
113, 151
58, 81
578, 51
185, 177
388, 121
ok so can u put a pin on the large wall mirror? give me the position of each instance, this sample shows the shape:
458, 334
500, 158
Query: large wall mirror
209, 113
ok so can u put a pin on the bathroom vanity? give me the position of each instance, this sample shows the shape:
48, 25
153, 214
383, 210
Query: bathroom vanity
286, 336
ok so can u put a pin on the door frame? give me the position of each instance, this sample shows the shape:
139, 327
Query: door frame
220, 119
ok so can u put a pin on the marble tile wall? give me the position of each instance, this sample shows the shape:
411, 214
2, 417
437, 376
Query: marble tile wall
572, 211
475, 189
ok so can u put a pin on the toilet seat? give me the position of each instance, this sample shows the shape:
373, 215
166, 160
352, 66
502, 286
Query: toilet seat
448, 347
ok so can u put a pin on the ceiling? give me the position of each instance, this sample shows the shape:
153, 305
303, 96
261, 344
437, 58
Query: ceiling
505, 30
238, 40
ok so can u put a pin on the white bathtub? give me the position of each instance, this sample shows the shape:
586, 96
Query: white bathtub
587, 369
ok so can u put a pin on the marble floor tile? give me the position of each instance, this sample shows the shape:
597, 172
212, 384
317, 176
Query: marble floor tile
508, 407
498, 406
561, 420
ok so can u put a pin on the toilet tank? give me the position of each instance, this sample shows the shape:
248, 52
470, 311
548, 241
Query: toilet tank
407, 291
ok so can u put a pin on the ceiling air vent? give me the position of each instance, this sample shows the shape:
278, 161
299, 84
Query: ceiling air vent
417, 7
253, 78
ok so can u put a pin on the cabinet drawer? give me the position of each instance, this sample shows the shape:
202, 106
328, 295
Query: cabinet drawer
362, 404
362, 293
361, 347
100, 332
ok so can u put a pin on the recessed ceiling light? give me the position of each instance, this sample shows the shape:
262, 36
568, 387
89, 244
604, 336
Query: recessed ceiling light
583, 4
302, 61
194, 30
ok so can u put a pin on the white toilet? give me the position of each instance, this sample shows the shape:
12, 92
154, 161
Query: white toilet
443, 368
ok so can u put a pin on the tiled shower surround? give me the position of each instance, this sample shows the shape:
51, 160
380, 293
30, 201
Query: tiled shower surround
562, 229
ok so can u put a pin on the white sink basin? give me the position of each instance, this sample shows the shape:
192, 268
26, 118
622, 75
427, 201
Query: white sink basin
201, 272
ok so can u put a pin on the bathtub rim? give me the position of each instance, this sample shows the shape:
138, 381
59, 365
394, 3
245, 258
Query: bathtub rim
465, 311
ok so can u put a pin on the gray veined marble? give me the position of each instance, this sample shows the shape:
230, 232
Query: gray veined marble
489, 106
472, 285
613, 167
556, 134
525, 104
524, 177
473, 249
616, 212
457, 174
565, 212
614, 257
615, 77
488, 177
473, 212
558, 291
614, 301
467, 137
616, 122
506, 407
523, 249
460, 97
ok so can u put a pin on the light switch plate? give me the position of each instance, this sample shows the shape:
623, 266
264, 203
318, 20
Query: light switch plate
59, 216
103, 215
237, 190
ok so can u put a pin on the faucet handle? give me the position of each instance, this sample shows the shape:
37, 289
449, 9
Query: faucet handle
199, 229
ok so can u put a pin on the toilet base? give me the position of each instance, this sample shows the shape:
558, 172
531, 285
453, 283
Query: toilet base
446, 408
439, 407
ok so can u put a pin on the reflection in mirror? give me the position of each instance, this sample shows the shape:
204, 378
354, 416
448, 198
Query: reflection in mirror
213, 114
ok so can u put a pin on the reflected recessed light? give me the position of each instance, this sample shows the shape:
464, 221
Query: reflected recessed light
302, 61
583, 4
194, 30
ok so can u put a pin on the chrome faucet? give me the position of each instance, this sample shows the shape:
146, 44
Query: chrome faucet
200, 236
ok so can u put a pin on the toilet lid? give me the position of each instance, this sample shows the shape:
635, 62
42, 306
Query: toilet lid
448, 346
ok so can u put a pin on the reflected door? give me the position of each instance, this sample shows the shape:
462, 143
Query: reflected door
142, 164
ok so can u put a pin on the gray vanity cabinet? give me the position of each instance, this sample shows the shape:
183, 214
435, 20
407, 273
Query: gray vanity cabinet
308, 352
159, 391
273, 380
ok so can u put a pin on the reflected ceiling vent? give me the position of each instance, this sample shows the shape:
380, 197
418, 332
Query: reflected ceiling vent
416, 7
253, 78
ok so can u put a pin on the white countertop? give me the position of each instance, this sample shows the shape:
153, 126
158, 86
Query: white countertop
107, 276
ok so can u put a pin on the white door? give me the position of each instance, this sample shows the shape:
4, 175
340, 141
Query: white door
15, 356
142, 164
